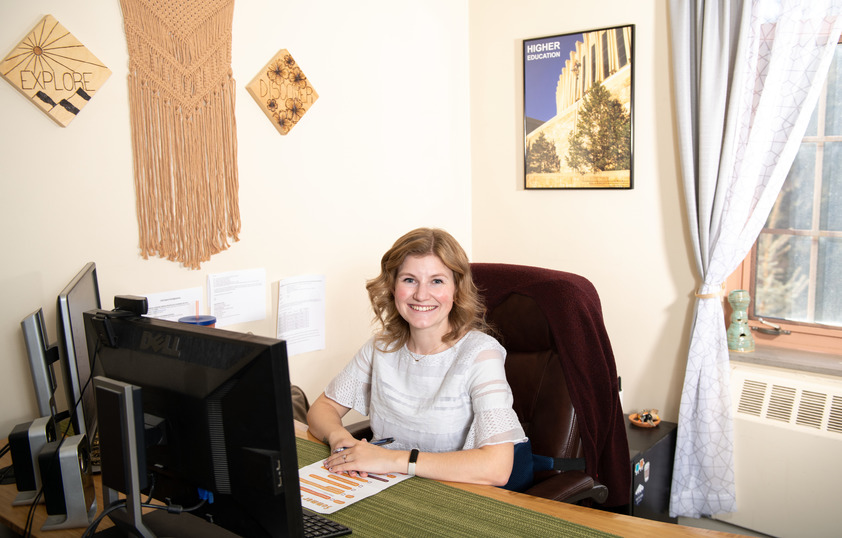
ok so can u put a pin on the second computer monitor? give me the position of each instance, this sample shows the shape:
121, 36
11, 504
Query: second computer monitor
80, 295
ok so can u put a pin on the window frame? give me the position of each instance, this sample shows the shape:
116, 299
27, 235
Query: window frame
803, 336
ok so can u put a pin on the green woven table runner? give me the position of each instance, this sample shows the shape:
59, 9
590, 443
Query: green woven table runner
421, 507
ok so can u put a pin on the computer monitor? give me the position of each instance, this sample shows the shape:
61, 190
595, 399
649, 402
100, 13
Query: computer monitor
218, 414
80, 295
42, 356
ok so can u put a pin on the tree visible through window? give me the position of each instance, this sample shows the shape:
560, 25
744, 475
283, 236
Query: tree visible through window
797, 273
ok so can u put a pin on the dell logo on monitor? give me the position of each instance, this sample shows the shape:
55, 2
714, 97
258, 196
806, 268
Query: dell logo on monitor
165, 344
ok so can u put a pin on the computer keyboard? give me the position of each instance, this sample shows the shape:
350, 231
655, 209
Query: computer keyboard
318, 525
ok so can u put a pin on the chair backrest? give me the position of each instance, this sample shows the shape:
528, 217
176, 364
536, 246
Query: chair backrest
560, 366
539, 386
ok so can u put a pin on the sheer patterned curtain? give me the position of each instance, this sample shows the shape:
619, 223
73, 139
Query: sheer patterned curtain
747, 75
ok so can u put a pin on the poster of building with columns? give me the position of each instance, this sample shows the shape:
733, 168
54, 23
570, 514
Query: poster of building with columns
578, 97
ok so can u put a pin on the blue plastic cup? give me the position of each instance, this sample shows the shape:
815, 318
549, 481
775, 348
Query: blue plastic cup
206, 321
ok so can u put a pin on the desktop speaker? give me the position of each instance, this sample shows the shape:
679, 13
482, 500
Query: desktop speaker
25, 443
68, 485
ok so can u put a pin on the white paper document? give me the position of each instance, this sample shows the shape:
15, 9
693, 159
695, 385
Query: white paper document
237, 296
326, 492
172, 305
301, 313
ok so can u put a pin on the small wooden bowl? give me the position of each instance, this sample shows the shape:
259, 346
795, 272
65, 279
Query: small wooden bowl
635, 420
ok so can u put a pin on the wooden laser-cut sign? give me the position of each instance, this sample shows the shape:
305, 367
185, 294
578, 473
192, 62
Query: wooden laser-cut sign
54, 70
282, 91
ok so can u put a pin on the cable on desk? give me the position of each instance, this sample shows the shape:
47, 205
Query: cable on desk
95, 523
4, 472
30, 516
116, 505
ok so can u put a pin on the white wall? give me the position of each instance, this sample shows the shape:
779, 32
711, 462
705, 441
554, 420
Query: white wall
384, 149
407, 132
632, 244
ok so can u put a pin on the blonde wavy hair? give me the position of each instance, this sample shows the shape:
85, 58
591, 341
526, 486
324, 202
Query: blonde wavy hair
467, 313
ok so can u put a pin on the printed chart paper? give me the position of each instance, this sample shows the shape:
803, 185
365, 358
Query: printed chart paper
237, 296
301, 313
326, 492
173, 305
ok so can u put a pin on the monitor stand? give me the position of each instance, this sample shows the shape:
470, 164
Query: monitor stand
118, 405
121, 466
183, 525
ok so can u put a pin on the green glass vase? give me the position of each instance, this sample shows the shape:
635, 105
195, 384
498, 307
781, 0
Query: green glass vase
739, 333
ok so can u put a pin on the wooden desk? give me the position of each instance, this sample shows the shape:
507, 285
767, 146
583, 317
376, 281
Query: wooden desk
14, 517
619, 524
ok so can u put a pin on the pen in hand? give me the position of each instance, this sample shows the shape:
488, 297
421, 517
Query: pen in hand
379, 442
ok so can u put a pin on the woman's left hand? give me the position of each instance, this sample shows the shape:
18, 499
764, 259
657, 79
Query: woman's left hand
360, 459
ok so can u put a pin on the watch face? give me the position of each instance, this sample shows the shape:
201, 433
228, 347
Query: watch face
413, 457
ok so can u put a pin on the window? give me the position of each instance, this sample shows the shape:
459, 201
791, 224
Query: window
794, 271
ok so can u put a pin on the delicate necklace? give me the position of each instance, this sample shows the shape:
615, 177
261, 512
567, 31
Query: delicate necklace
418, 357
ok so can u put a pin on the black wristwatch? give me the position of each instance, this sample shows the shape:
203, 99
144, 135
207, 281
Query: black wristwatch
413, 457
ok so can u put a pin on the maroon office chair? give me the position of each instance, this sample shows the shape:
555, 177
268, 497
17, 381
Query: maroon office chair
561, 369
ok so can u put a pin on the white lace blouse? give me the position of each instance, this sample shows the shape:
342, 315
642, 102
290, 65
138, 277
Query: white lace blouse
456, 399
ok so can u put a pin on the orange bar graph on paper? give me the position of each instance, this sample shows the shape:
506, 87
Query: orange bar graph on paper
338, 482
343, 480
321, 486
357, 478
317, 494
333, 484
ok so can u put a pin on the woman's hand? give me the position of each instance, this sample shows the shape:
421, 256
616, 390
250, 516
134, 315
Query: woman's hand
361, 458
339, 439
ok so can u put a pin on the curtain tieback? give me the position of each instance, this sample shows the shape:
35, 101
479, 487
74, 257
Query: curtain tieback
713, 295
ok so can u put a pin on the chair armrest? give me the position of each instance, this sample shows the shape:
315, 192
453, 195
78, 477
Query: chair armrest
360, 430
570, 487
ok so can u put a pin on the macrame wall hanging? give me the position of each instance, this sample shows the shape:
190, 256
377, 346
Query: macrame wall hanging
184, 135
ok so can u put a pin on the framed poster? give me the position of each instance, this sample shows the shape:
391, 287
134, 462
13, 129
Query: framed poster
578, 110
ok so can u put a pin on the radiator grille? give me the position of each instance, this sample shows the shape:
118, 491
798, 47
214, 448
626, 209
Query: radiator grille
751, 398
780, 403
811, 409
834, 422
795, 403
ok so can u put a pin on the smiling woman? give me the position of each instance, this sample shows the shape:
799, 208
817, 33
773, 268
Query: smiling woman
466, 312
424, 297
431, 378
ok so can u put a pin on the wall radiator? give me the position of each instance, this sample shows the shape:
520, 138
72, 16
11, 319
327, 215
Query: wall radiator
787, 451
